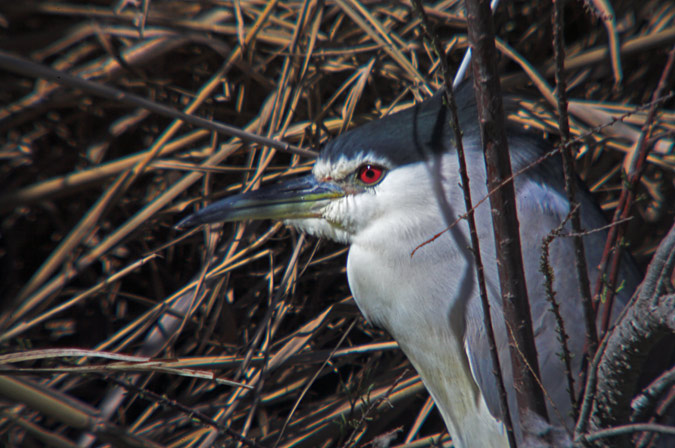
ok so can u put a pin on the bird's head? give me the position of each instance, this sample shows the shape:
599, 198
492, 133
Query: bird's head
373, 174
335, 201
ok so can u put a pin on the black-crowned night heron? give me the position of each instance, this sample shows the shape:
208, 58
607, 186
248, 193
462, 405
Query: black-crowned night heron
373, 189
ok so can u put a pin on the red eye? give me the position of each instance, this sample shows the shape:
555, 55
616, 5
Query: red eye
370, 174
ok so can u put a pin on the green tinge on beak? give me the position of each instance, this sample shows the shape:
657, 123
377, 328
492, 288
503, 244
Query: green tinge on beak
298, 198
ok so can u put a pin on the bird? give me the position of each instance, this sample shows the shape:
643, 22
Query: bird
389, 186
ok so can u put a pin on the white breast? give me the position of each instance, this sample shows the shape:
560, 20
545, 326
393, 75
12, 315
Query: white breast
427, 323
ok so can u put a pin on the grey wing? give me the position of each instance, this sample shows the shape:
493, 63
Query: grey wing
541, 207
478, 353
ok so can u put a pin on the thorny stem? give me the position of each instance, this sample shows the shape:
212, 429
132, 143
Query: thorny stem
549, 276
580, 262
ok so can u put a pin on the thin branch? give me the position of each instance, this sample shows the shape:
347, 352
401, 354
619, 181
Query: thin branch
529, 396
32, 69
549, 277
628, 429
191, 412
643, 405
664, 405
570, 187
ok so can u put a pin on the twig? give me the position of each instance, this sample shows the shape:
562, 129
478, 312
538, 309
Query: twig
28, 68
627, 429
570, 180
549, 276
191, 412
644, 403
